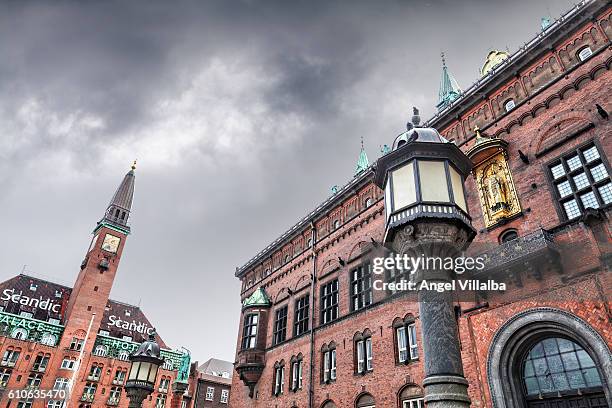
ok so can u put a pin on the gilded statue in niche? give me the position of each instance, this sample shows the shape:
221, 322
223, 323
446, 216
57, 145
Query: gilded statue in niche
496, 190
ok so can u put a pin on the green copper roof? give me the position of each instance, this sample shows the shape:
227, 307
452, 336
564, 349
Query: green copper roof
258, 298
362, 162
449, 88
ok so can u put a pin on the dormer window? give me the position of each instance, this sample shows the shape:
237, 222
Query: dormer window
128, 313
509, 105
585, 53
33, 287
58, 294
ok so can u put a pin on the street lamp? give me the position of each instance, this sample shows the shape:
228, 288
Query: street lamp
427, 216
143, 371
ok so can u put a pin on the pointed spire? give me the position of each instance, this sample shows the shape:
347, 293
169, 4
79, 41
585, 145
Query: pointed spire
362, 162
118, 210
449, 88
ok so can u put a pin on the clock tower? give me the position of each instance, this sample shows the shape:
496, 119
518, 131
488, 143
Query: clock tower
93, 285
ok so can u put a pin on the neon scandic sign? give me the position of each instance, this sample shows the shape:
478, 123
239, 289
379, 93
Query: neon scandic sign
21, 299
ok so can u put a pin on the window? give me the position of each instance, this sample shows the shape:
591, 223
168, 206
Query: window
336, 224
40, 362
114, 396
58, 294
584, 53
101, 350
10, 356
168, 365
296, 372
49, 339
53, 320
581, 180
27, 403
89, 391
60, 383
5, 375
509, 105
300, 325
119, 376
361, 287
34, 380
164, 383
210, 393
363, 352
160, 402
123, 355
104, 333
280, 326
224, 396
414, 403
365, 401
95, 372
19, 333
406, 339
329, 363
76, 344
249, 331
508, 235
126, 338
55, 404
329, 301
557, 365
368, 202
68, 363
26, 314
279, 378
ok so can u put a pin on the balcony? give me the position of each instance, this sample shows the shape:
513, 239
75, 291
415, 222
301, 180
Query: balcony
87, 397
250, 365
113, 401
532, 254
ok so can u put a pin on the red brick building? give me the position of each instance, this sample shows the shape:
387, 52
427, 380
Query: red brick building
52, 335
313, 331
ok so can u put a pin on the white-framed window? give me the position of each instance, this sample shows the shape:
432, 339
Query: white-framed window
364, 355
68, 363
414, 403
10, 356
509, 105
76, 344
585, 53
329, 365
127, 338
104, 333
119, 376
160, 402
58, 293
26, 314
19, 333
224, 396
53, 320
210, 393
279, 379
34, 380
123, 355
60, 383
296, 374
407, 346
101, 350
33, 287
5, 376
55, 403
164, 383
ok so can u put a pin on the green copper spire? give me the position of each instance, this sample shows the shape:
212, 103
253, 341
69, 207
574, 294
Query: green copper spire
363, 162
449, 88
258, 298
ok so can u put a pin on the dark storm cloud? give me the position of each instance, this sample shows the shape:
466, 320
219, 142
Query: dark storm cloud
242, 115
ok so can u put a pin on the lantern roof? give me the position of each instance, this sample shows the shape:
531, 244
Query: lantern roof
414, 133
257, 298
148, 348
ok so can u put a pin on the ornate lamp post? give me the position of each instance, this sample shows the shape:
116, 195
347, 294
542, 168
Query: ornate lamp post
426, 215
143, 372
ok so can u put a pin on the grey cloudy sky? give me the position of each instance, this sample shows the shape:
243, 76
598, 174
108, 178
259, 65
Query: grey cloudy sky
242, 116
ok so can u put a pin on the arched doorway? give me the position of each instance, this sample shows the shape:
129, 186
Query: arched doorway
549, 358
557, 372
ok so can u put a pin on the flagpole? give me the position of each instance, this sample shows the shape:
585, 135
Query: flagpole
78, 362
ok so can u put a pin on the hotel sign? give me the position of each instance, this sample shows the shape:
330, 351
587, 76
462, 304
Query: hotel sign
132, 326
39, 302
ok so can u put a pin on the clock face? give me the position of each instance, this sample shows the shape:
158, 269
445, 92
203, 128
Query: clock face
93, 243
111, 243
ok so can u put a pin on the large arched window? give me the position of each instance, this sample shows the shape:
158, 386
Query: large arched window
19, 333
411, 396
557, 366
365, 401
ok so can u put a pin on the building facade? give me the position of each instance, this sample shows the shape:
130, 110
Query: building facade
214, 379
316, 332
75, 341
